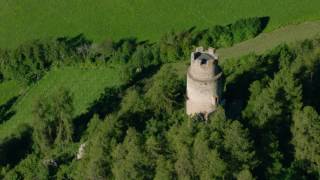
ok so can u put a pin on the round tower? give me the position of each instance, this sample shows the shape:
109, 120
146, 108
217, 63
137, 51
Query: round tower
203, 82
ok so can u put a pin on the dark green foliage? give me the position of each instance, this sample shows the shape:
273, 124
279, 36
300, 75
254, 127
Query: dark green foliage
176, 46
129, 160
53, 121
107, 102
247, 28
239, 147
207, 162
306, 133
166, 91
52, 139
29, 168
101, 138
165, 169
28, 62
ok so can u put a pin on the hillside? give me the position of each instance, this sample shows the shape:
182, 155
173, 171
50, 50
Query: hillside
9, 89
85, 84
145, 19
77, 79
116, 109
265, 41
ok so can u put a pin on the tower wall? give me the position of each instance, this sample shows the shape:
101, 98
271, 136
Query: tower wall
203, 86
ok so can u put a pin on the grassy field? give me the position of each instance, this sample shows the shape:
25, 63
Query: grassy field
265, 41
86, 86
145, 19
8, 90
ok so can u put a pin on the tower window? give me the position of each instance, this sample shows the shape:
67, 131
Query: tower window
203, 61
214, 100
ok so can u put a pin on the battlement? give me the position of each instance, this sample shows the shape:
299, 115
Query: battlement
201, 54
203, 64
210, 50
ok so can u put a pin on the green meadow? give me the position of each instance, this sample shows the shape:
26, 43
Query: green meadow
288, 34
8, 90
146, 19
85, 84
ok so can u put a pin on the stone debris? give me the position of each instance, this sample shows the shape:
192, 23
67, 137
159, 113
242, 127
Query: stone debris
81, 151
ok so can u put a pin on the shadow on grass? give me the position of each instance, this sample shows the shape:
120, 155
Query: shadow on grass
109, 101
15, 148
237, 91
5, 110
144, 74
264, 21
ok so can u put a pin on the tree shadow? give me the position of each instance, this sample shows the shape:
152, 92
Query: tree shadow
5, 110
237, 94
276, 131
15, 148
264, 21
145, 74
237, 91
310, 87
108, 102
75, 41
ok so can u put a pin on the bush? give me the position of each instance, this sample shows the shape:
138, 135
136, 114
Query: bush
53, 125
29, 62
244, 29
166, 91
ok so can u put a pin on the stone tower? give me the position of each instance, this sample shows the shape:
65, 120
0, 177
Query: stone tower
204, 87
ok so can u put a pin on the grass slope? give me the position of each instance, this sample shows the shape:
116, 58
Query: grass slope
265, 41
8, 90
85, 84
145, 19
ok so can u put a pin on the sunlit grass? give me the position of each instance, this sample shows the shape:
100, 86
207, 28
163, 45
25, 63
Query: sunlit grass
86, 85
265, 41
8, 90
145, 19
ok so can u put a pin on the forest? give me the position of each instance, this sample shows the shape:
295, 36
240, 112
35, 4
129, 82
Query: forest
268, 127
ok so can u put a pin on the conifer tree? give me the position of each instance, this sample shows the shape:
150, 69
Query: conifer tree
306, 133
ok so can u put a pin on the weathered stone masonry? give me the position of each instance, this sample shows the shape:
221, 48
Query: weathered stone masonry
204, 86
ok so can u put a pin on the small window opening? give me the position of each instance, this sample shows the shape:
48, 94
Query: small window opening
215, 100
203, 61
